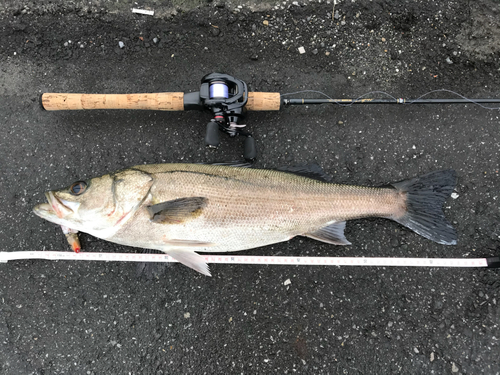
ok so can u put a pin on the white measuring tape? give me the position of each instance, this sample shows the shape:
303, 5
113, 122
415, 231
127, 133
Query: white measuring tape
493, 262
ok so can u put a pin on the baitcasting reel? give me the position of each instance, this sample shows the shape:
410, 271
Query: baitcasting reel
225, 97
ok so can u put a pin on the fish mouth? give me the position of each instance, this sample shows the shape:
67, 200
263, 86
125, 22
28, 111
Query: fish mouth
56, 205
44, 210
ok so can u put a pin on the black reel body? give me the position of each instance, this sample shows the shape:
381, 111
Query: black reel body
225, 97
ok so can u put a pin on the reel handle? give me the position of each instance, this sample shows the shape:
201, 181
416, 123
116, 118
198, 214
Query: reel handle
165, 101
250, 150
212, 139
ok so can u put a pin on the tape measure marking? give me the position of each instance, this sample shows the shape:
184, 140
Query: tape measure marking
250, 259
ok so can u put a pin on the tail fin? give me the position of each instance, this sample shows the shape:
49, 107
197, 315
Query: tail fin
425, 197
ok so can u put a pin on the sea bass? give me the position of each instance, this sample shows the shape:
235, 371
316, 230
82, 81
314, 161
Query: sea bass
183, 208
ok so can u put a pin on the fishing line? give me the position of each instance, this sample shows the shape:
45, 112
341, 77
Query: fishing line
400, 101
491, 262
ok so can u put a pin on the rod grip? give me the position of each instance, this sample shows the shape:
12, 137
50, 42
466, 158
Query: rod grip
164, 101
263, 101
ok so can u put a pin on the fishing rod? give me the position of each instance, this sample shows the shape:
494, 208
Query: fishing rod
227, 99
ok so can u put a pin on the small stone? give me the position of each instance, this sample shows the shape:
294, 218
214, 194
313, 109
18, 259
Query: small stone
342, 23
302, 50
155, 40
383, 40
432, 357
454, 367
468, 332
416, 350
121, 44
327, 53
187, 315
287, 282
448, 60
337, 15
254, 27
454, 195
315, 51
438, 305
266, 23
341, 122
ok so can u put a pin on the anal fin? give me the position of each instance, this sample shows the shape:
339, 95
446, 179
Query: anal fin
332, 233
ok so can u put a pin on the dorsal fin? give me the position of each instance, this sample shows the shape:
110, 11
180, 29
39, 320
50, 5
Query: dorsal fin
238, 164
311, 170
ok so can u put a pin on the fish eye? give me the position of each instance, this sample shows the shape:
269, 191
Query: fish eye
78, 188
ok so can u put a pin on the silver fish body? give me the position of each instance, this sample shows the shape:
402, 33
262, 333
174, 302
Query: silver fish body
183, 208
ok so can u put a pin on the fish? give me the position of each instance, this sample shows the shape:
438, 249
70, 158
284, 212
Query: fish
182, 209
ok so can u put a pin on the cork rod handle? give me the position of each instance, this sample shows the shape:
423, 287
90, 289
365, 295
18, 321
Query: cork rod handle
165, 101
263, 101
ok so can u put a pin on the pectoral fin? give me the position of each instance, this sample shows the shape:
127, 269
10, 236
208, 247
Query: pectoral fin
191, 259
333, 233
177, 211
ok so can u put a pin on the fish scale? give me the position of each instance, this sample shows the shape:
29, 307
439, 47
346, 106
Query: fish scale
250, 207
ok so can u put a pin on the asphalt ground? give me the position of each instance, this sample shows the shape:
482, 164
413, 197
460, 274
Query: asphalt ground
63, 317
